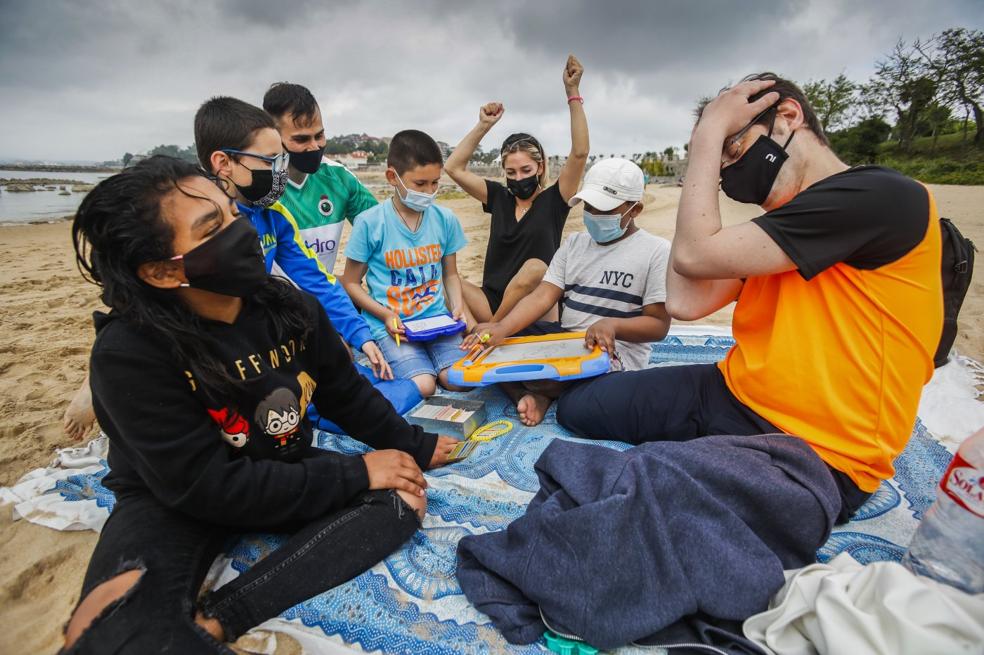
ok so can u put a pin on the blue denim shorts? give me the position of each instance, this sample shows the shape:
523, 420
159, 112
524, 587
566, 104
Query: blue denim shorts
413, 358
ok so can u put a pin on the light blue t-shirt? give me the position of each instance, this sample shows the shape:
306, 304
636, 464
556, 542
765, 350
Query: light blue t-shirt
404, 268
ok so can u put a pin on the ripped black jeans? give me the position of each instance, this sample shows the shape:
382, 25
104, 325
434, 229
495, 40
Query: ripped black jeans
174, 552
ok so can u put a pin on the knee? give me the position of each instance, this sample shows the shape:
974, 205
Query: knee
442, 378
569, 414
417, 503
426, 385
96, 601
531, 272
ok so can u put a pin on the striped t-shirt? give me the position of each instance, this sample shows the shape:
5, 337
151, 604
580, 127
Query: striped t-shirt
610, 281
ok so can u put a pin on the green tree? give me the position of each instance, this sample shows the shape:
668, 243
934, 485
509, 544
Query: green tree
832, 100
956, 57
127, 157
187, 153
859, 144
937, 118
895, 87
919, 94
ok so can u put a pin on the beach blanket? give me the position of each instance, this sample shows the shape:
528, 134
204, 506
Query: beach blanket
411, 602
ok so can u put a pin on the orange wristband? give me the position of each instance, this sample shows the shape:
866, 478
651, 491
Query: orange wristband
578, 98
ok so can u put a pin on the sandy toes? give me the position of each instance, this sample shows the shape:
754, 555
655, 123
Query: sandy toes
532, 408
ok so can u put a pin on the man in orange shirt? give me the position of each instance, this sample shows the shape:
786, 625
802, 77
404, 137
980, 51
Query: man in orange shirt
838, 290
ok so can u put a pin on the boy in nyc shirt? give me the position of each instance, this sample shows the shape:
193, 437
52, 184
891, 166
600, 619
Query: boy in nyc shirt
405, 248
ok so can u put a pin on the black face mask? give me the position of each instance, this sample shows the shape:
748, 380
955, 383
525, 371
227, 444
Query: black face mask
307, 161
230, 263
523, 188
750, 179
266, 187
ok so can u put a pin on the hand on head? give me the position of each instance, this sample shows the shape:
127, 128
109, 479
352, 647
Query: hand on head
731, 111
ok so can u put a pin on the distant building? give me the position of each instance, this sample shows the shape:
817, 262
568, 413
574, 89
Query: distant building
354, 160
676, 167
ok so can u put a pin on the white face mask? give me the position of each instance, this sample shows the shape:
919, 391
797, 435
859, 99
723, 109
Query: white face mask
417, 201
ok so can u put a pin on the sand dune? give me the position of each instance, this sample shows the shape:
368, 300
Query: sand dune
45, 311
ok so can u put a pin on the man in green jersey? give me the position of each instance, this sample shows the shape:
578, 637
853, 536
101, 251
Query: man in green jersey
321, 194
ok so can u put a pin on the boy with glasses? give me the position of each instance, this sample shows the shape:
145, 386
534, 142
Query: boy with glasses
239, 144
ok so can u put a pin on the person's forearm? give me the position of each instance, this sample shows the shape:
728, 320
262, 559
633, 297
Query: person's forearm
690, 299
641, 329
459, 158
699, 214
530, 308
580, 145
456, 299
698, 218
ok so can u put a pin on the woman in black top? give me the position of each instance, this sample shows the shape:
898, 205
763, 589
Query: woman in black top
201, 375
527, 215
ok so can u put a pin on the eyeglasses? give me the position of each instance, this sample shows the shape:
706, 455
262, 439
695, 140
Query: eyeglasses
732, 145
277, 164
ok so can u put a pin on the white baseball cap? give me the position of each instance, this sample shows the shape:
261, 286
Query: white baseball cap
609, 183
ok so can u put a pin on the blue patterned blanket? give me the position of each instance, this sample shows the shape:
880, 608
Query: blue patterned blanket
411, 602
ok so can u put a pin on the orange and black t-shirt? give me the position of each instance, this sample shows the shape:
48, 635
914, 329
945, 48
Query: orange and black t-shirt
837, 352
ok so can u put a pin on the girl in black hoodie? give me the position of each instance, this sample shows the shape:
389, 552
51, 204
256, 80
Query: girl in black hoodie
201, 375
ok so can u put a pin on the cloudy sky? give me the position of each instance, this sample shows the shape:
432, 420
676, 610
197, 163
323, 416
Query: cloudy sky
91, 80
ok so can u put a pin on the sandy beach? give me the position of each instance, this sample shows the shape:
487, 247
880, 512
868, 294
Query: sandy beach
45, 322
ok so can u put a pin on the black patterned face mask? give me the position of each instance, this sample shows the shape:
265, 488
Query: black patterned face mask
523, 188
266, 188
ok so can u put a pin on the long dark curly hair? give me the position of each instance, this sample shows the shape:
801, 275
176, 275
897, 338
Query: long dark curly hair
119, 226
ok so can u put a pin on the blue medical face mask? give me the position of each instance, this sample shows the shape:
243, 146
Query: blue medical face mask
416, 200
605, 228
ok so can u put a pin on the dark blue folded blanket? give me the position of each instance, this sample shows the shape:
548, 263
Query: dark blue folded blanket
618, 547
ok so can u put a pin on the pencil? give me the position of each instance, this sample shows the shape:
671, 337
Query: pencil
395, 333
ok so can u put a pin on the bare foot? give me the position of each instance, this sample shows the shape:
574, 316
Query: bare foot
211, 626
79, 417
532, 407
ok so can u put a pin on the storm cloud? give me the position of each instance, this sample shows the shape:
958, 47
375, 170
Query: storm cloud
89, 81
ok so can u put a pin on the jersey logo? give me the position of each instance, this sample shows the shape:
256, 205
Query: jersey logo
325, 206
770, 157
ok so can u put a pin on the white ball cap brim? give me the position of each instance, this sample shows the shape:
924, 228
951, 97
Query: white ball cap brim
611, 182
596, 198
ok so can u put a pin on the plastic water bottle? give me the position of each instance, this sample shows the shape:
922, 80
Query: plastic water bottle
949, 544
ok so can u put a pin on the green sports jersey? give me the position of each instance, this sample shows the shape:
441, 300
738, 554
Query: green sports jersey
322, 203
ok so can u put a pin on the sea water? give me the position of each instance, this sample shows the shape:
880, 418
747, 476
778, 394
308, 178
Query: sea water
43, 205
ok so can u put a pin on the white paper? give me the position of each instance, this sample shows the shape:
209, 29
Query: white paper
424, 324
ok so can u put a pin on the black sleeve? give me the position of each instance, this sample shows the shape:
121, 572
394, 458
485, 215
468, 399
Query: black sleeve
865, 218
496, 195
349, 400
165, 434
